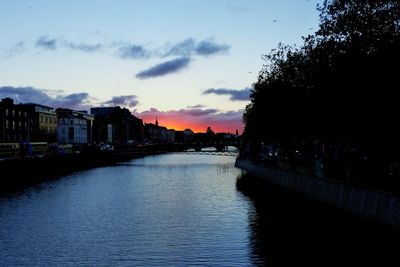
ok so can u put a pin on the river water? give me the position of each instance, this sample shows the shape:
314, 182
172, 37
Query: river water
167, 210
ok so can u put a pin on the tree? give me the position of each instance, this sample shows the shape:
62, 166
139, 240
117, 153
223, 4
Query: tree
339, 87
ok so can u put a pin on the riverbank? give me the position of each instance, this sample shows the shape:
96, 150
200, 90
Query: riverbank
16, 173
377, 206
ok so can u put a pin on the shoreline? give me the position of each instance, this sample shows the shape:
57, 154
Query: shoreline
376, 206
17, 173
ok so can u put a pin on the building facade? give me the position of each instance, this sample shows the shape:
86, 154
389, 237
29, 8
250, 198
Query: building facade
116, 125
42, 123
72, 127
14, 122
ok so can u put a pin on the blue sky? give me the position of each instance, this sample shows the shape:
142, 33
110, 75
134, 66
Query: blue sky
156, 58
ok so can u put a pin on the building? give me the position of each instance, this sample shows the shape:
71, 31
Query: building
42, 123
14, 122
116, 125
159, 134
72, 127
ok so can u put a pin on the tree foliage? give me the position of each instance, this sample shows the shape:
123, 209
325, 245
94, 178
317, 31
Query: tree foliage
340, 87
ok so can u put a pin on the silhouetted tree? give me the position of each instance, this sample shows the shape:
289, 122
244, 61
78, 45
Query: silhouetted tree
339, 88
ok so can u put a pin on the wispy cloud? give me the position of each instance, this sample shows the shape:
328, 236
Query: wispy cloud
183, 52
83, 47
46, 43
190, 47
196, 119
184, 48
234, 95
162, 69
236, 9
15, 49
132, 51
197, 106
208, 48
128, 101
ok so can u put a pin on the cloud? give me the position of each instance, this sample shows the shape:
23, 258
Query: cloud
184, 48
235, 95
191, 47
165, 68
33, 95
129, 101
196, 119
14, 50
236, 9
197, 106
133, 51
83, 47
208, 48
46, 43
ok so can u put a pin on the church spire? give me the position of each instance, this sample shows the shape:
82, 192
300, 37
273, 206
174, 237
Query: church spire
156, 121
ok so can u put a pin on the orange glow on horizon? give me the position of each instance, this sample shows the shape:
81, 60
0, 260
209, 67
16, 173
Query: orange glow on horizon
196, 127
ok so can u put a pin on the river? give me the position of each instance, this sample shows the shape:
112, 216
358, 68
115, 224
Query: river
166, 210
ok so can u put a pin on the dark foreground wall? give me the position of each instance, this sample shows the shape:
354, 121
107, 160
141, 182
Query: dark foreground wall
381, 207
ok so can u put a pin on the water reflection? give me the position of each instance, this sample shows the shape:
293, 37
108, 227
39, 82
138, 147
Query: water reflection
289, 230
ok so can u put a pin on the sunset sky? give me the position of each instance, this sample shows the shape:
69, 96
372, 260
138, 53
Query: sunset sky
188, 63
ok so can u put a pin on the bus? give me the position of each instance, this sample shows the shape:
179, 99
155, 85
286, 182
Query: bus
9, 150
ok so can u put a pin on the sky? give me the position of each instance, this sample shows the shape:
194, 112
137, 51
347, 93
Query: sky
188, 63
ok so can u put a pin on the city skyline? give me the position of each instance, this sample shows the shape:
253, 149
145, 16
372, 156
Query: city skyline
190, 64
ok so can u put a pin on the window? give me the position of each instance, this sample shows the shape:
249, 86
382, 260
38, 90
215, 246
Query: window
13, 113
13, 125
7, 124
7, 112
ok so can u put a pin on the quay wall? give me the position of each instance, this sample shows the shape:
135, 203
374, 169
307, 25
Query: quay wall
378, 206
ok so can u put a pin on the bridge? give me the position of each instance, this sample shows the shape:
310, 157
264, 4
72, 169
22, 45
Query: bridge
212, 153
219, 146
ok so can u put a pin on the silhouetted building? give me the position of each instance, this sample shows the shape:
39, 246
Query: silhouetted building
14, 121
179, 137
116, 125
42, 122
159, 134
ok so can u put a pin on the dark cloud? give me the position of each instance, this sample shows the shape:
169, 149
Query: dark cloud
46, 43
77, 100
197, 106
133, 51
123, 100
165, 68
235, 95
190, 47
40, 96
208, 48
15, 49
